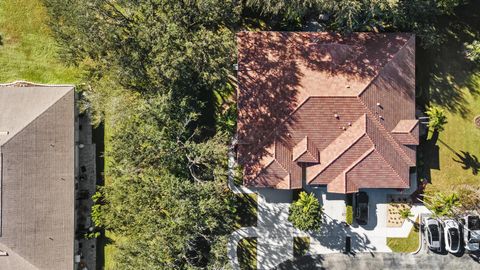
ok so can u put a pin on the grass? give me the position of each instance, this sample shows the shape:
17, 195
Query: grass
447, 79
458, 150
405, 245
247, 253
246, 207
300, 246
29, 51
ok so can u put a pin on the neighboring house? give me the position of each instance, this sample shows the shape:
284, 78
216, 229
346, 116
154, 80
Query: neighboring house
37, 172
326, 109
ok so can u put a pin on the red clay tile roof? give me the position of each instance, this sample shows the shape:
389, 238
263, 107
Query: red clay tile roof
342, 105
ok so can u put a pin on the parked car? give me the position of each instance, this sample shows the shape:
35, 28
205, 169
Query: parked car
433, 233
451, 231
471, 232
360, 202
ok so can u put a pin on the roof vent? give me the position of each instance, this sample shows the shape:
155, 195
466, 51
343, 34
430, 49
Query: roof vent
381, 117
336, 116
3, 253
344, 128
4, 133
349, 124
348, 86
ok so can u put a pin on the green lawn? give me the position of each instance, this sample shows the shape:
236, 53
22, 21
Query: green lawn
459, 149
447, 79
247, 253
405, 245
454, 160
246, 207
29, 51
300, 246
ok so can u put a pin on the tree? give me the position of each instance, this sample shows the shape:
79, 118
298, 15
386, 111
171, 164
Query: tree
473, 50
151, 71
437, 118
306, 213
442, 204
360, 15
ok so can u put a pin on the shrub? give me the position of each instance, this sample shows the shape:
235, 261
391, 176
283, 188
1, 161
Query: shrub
306, 212
437, 118
349, 215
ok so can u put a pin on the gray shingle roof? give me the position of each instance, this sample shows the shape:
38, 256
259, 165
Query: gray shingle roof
37, 127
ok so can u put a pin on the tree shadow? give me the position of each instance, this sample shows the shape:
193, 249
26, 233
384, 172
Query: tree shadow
443, 71
305, 262
468, 161
428, 156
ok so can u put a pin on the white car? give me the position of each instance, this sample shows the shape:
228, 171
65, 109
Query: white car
451, 232
433, 233
471, 232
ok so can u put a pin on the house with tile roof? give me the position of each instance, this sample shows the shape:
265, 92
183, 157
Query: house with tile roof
37, 176
326, 109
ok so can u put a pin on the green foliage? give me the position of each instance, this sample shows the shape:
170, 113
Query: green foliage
405, 213
442, 204
306, 213
349, 215
365, 15
247, 253
473, 50
437, 118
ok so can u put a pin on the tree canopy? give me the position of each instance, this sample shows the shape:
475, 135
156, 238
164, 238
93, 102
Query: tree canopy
159, 73
306, 212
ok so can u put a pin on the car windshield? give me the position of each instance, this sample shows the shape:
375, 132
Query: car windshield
434, 231
454, 238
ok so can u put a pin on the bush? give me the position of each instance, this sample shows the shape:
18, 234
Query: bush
349, 215
437, 118
306, 212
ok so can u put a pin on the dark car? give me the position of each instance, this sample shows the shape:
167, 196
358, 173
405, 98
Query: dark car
361, 207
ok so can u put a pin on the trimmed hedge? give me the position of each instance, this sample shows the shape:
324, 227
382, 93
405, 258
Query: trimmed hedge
349, 215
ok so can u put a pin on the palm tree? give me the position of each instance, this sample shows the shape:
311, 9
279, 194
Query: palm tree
442, 204
437, 118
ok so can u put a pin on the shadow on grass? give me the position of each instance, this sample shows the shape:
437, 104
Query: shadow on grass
102, 242
247, 253
468, 161
442, 71
246, 210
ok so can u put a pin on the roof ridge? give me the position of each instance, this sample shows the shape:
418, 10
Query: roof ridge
341, 152
388, 164
356, 162
21, 83
34, 119
11, 252
389, 61
388, 136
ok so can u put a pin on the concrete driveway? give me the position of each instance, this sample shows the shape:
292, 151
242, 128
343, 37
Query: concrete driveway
382, 261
